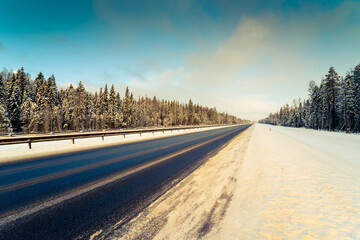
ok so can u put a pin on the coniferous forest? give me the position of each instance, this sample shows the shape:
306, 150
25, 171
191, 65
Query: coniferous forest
333, 105
37, 106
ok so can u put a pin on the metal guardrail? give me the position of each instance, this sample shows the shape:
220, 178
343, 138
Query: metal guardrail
72, 136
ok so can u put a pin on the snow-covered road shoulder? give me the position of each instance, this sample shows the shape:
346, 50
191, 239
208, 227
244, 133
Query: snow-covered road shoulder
293, 185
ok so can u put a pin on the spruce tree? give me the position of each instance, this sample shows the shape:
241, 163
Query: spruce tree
40, 91
4, 121
119, 111
331, 83
79, 107
191, 113
127, 108
349, 102
68, 108
133, 109
314, 111
105, 107
13, 103
112, 107
356, 87
101, 106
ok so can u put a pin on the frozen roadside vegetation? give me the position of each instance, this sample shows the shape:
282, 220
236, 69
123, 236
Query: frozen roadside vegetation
281, 184
20, 151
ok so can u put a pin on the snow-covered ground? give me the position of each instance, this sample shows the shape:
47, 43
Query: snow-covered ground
281, 184
21, 151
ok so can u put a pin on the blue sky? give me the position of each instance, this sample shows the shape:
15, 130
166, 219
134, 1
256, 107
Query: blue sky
244, 57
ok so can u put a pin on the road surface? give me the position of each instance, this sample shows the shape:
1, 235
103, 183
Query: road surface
72, 195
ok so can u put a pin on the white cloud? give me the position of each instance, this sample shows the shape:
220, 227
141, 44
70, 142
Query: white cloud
244, 48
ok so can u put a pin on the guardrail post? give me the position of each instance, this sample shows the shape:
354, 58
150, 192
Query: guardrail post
73, 140
29, 143
140, 134
124, 135
163, 131
102, 137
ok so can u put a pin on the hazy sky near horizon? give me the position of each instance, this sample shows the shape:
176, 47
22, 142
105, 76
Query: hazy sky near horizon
247, 58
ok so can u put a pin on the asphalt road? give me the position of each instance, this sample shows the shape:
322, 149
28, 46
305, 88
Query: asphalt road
73, 195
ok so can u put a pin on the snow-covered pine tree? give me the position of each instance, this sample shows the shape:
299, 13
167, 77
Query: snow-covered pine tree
127, 108
57, 118
101, 107
349, 102
139, 115
112, 107
105, 107
315, 105
22, 83
178, 114
155, 112
191, 113
119, 112
2, 90
133, 109
97, 110
90, 112
197, 113
79, 107
36, 87
68, 108
29, 113
25, 114
299, 113
356, 85
13, 91
52, 101
324, 105
172, 113
163, 113
331, 86
4, 121
40, 98
341, 104
307, 113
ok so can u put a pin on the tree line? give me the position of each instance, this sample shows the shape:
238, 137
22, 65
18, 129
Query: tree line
333, 105
36, 105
